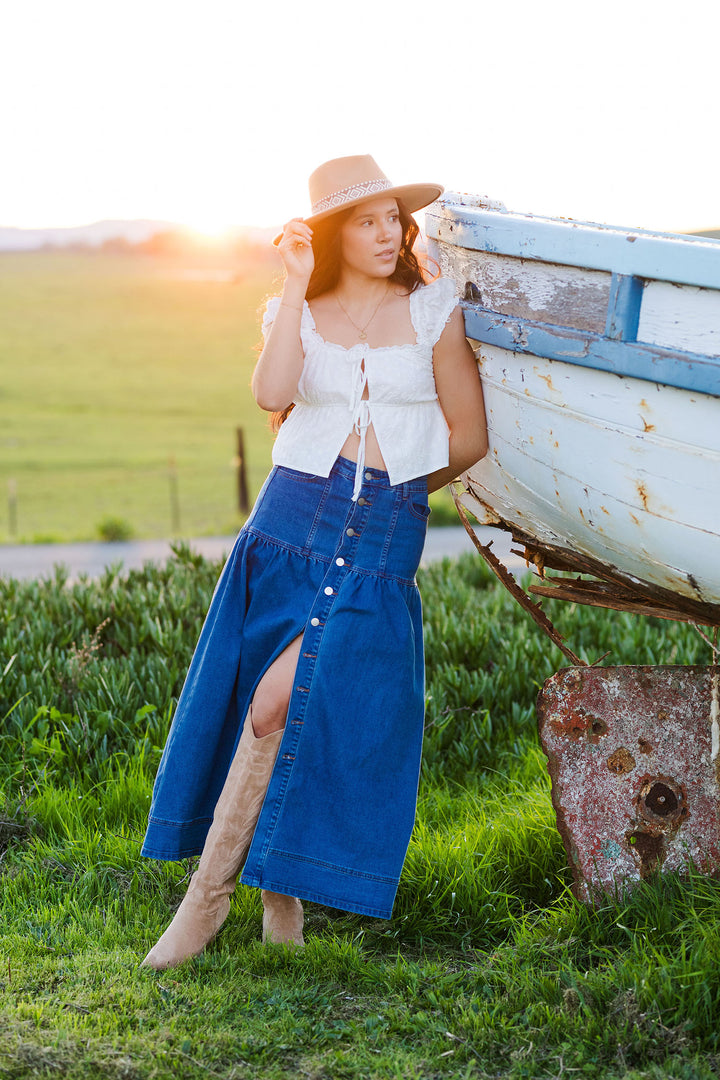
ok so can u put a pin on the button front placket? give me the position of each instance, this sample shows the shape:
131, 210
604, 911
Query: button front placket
326, 597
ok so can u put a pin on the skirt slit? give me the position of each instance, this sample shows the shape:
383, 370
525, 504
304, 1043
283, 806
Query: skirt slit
244, 705
340, 805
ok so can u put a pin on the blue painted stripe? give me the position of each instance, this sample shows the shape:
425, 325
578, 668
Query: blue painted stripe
623, 315
631, 252
688, 371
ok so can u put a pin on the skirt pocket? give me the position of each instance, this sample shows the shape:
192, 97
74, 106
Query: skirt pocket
418, 508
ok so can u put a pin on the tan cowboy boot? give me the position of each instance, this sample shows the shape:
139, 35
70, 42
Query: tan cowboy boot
282, 919
207, 901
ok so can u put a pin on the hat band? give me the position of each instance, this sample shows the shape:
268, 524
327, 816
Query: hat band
350, 194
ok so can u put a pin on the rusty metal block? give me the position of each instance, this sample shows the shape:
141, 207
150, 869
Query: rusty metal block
633, 757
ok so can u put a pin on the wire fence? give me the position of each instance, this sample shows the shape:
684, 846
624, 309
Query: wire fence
177, 497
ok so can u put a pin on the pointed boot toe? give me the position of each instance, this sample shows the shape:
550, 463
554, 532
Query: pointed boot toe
194, 926
207, 901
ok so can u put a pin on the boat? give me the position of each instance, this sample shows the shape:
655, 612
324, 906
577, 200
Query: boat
599, 352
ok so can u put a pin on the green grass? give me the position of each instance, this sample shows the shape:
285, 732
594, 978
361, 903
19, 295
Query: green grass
111, 366
488, 968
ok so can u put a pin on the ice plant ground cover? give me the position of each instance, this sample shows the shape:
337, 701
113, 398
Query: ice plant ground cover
488, 968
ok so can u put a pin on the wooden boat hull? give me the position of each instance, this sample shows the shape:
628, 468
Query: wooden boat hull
604, 449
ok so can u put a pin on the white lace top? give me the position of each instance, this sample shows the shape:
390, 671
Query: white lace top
402, 403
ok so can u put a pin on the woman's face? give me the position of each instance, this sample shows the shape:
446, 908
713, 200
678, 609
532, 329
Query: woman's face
371, 238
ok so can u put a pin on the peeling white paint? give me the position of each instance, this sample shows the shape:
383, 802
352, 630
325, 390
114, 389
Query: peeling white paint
680, 317
654, 491
548, 292
646, 470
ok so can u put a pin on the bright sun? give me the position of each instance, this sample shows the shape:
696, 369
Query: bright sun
209, 229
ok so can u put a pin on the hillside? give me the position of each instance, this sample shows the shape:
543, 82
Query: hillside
99, 232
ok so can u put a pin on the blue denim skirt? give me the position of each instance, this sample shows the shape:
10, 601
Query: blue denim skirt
340, 806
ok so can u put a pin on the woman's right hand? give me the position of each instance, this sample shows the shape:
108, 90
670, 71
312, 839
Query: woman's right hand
278, 370
296, 251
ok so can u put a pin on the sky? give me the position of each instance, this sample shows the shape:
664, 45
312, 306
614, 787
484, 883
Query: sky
214, 112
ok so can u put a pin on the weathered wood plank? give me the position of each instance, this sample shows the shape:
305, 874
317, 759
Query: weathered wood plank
680, 317
623, 316
545, 292
661, 256
601, 594
602, 396
686, 370
605, 466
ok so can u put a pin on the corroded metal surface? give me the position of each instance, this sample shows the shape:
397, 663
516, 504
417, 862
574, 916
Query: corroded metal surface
633, 757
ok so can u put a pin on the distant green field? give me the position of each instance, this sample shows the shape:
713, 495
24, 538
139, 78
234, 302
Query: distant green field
110, 366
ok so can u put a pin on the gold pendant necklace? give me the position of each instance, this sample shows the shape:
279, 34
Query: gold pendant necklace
362, 329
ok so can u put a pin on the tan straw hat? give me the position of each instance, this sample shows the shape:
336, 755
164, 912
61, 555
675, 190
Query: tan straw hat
347, 181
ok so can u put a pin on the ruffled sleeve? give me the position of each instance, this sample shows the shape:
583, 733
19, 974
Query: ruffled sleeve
307, 323
430, 308
271, 311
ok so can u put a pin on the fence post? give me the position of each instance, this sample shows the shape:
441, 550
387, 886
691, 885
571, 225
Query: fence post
174, 497
12, 507
243, 500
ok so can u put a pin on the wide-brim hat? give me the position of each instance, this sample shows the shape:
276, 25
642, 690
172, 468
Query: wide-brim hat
348, 181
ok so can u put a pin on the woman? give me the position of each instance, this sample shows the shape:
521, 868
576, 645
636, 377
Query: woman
312, 648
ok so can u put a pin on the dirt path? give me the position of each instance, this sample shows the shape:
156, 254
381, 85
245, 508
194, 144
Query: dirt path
38, 560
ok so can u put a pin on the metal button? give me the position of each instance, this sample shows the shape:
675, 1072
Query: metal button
350, 532
368, 475
314, 622
328, 591
340, 562
362, 502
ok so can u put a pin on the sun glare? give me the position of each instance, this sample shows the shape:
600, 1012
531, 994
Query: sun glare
208, 230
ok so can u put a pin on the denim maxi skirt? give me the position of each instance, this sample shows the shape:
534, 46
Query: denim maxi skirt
340, 806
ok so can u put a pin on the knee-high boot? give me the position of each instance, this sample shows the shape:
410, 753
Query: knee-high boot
282, 919
207, 901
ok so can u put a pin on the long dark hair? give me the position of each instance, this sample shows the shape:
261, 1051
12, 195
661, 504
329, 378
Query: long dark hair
327, 249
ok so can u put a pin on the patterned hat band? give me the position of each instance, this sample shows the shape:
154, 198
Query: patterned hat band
338, 199
344, 182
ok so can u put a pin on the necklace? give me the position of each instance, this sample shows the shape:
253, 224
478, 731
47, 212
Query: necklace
361, 329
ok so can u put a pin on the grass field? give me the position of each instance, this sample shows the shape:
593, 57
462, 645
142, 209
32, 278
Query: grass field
109, 367
488, 968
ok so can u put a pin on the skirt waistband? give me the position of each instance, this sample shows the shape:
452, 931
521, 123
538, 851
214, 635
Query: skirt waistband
382, 532
376, 477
